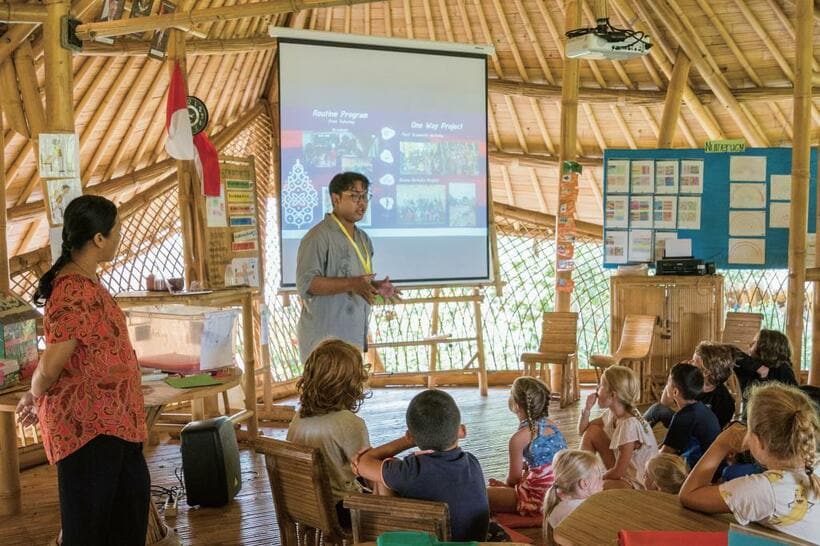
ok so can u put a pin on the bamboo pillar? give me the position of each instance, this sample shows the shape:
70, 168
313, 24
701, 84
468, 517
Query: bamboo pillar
249, 377
569, 129
4, 251
434, 325
674, 95
814, 370
59, 71
801, 153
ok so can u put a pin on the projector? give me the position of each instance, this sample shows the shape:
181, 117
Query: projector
612, 46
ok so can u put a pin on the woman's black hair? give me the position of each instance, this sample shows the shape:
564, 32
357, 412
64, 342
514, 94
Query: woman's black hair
83, 218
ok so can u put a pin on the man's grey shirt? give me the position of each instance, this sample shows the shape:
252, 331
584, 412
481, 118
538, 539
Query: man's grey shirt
325, 251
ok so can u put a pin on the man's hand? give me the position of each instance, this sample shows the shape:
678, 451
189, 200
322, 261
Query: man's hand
363, 286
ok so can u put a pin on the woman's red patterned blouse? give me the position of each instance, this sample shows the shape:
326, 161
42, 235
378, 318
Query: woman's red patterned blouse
99, 391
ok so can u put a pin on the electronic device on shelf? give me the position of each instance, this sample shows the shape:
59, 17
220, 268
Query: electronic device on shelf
684, 266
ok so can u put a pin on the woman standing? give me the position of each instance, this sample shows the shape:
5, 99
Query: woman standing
86, 389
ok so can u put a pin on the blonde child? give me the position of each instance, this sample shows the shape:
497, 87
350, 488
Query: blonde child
578, 475
782, 435
620, 435
665, 472
531, 450
331, 390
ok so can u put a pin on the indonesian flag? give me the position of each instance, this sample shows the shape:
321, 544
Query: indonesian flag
180, 142
207, 164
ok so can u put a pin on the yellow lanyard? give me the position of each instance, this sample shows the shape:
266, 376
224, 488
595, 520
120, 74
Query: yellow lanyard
364, 259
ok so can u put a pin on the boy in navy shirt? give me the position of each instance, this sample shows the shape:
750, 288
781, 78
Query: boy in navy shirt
694, 426
440, 472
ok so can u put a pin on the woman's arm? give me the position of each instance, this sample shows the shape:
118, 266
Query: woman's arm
621, 461
518, 443
697, 491
48, 370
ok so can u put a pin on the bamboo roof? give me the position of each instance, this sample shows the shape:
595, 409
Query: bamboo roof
745, 51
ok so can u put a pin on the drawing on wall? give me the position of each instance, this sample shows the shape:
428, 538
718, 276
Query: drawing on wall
640, 245
59, 155
691, 176
666, 177
642, 176
747, 251
640, 211
779, 215
747, 196
61, 192
665, 211
780, 187
747, 168
688, 212
617, 211
615, 245
747, 223
617, 176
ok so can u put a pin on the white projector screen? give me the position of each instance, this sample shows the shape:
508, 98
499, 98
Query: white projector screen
415, 123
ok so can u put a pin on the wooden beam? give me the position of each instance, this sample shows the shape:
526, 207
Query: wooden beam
801, 154
671, 107
546, 220
59, 72
22, 13
89, 31
538, 160
29, 90
4, 250
10, 101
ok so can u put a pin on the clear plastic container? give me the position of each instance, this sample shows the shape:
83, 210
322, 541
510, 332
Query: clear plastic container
182, 338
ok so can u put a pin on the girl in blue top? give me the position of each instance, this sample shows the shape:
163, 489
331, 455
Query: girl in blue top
532, 448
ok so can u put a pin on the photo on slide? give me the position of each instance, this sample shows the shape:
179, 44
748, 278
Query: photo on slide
420, 158
461, 204
358, 165
322, 149
459, 158
421, 204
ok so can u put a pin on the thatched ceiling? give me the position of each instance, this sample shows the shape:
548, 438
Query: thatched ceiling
748, 46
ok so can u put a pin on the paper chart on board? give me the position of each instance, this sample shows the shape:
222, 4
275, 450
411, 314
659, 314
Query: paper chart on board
642, 176
688, 212
665, 212
640, 245
747, 168
691, 176
747, 251
780, 187
615, 246
666, 177
747, 196
617, 211
617, 176
660, 242
779, 215
747, 223
640, 211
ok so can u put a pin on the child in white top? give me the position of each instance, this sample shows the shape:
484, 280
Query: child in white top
782, 434
578, 475
620, 435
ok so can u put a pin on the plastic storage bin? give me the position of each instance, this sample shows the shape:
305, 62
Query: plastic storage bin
9, 373
182, 338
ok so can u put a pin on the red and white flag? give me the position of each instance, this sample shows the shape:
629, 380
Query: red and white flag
207, 164
180, 142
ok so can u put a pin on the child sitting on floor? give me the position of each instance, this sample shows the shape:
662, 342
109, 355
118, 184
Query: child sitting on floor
531, 451
331, 391
441, 472
578, 475
694, 427
665, 472
782, 434
620, 435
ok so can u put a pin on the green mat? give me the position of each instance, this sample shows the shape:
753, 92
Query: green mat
191, 381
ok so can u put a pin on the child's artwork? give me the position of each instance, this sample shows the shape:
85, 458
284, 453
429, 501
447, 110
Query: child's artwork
691, 176
617, 211
59, 155
747, 196
747, 251
642, 174
688, 212
666, 177
615, 245
640, 211
617, 176
747, 223
640, 245
779, 215
780, 187
61, 192
665, 211
747, 168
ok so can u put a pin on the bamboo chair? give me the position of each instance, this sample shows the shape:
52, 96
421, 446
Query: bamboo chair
634, 350
739, 330
559, 345
301, 493
373, 515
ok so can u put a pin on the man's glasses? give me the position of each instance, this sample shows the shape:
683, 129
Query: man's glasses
358, 197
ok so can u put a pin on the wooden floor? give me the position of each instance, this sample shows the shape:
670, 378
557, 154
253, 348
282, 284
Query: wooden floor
250, 518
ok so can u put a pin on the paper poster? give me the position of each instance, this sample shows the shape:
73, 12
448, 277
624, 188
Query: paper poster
215, 213
691, 176
640, 211
245, 185
59, 155
747, 168
811, 248
617, 207
640, 245
242, 271
245, 240
111, 11
617, 176
615, 246
688, 212
159, 42
780, 187
55, 241
747, 223
747, 196
660, 242
642, 175
240, 196
666, 177
747, 251
779, 215
61, 192
665, 212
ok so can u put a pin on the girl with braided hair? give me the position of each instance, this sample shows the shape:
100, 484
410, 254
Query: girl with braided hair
621, 436
782, 435
531, 450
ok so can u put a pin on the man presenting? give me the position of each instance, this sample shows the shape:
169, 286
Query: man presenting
334, 273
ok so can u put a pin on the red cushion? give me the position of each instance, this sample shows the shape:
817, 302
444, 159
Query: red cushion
517, 521
672, 538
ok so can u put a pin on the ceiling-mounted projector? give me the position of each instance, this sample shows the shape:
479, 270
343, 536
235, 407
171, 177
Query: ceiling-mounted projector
606, 43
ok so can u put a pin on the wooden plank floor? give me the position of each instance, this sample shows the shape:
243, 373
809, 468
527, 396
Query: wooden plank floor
250, 518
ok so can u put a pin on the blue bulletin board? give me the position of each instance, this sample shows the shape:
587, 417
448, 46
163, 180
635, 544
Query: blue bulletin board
733, 206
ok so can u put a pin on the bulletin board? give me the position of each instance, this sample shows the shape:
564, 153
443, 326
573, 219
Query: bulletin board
233, 247
733, 206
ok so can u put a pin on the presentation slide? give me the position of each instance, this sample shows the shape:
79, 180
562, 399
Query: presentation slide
414, 123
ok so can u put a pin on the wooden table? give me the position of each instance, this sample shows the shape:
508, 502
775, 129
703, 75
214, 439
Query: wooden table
599, 518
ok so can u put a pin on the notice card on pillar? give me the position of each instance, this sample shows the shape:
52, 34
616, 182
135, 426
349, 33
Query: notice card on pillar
59, 155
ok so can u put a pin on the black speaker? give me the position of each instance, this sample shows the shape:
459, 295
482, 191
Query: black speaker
210, 461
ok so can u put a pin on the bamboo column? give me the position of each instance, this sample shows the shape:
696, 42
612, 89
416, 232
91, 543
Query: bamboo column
569, 130
801, 153
674, 95
59, 71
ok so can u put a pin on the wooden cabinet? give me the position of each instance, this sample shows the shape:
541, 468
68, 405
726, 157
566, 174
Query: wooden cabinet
689, 310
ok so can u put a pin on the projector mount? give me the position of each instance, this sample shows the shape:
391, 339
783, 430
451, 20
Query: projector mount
624, 38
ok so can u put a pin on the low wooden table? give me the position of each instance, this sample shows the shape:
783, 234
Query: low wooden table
599, 518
